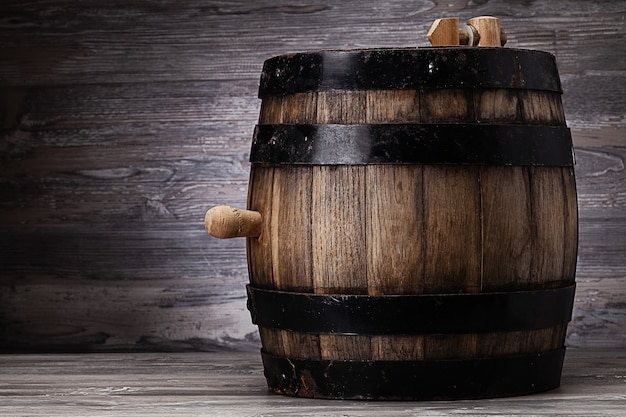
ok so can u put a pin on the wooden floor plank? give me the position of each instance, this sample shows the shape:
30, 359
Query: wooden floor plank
232, 384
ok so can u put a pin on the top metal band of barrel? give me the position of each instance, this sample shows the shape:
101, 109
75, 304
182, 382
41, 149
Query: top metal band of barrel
471, 144
409, 69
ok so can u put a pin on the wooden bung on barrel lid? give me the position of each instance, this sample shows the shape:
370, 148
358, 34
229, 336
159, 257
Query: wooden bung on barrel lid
478, 31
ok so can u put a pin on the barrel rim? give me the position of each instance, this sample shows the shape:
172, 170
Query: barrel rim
408, 48
409, 68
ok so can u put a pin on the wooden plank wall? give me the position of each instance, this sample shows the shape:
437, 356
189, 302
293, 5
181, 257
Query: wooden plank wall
123, 121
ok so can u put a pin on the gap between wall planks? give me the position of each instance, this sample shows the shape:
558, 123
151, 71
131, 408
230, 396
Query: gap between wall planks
122, 123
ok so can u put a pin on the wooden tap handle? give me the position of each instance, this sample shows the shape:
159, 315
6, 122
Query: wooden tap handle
225, 222
444, 32
479, 31
488, 27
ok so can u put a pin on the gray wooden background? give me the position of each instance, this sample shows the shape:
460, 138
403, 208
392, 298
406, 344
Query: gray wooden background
123, 121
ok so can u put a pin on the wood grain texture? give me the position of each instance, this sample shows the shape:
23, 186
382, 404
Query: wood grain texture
259, 250
121, 123
444, 32
291, 229
232, 384
488, 28
506, 226
453, 242
340, 258
394, 200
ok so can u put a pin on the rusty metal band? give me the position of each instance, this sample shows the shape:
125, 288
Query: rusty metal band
415, 380
335, 144
409, 68
410, 314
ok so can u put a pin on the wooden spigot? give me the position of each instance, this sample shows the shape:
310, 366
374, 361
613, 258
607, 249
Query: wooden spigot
225, 222
478, 31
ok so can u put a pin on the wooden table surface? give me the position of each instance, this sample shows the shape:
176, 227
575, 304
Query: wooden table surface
232, 384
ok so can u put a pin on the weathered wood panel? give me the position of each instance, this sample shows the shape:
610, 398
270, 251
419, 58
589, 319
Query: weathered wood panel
122, 122
232, 384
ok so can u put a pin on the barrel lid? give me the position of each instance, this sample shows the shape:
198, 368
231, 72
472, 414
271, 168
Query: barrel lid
408, 69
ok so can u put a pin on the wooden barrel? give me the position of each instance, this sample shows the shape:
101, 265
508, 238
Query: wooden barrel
419, 229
